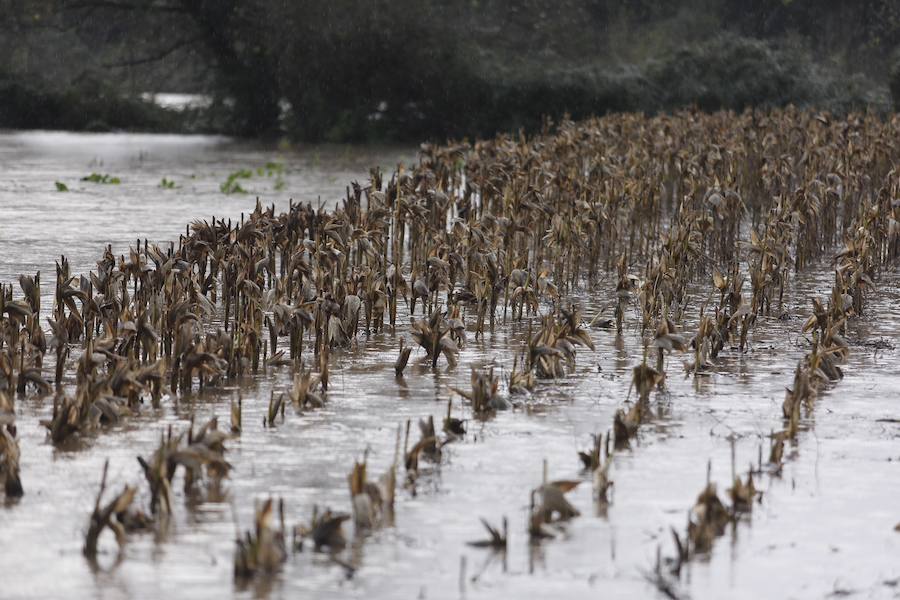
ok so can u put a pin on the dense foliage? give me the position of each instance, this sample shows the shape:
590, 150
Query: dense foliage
345, 70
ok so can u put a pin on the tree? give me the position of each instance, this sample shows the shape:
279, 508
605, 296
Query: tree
231, 36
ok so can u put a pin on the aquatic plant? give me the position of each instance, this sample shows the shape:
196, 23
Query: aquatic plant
232, 184
102, 178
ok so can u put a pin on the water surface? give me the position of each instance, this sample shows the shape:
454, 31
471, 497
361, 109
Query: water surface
825, 526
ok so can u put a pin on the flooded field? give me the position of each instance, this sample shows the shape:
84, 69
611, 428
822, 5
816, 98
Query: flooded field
824, 522
82, 221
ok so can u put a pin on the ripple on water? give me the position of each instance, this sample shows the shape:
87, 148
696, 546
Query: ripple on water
834, 506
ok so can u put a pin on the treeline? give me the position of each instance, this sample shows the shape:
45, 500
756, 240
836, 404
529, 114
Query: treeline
344, 70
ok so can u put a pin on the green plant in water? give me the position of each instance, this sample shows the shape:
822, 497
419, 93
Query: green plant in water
61, 187
270, 169
232, 185
276, 170
167, 184
105, 179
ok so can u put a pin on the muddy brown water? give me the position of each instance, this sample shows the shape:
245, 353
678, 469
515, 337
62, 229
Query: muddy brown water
825, 526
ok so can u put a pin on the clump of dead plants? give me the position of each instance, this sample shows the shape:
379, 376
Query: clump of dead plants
549, 507
262, 549
485, 393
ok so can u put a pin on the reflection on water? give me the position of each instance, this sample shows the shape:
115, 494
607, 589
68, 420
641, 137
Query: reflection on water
825, 526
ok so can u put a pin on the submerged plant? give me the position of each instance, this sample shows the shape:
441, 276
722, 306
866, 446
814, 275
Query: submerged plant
549, 505
116, 515
485, 394
433, 336
325, 530
373, 501
232, 183
263, 549
101, 178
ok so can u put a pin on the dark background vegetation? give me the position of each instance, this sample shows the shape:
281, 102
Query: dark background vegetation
342, 70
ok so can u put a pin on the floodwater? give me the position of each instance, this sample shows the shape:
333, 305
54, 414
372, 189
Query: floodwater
824, 527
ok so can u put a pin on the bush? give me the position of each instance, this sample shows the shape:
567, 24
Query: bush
732, 72
85, 106
521, 100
